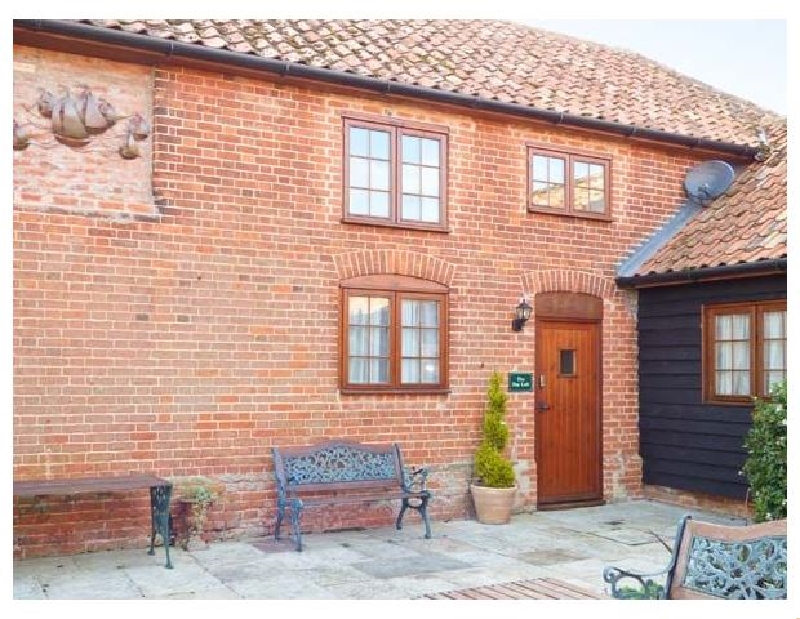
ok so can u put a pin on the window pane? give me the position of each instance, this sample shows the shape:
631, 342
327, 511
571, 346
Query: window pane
410, 372
741, 383
429, 313
724, 355
411, 182
411, 207
775, 325
357, 342
430, 152
379, 145
775, 355
359, 142
379, 342
597, 201
410, 342
580, 198
539, 195
358, 310
540, 172
772, 378
379, 175
411, 149
580, 174
357, 371
379, 311
430, 209
597, 174
741, 355
557, 171
430, 343
566, 362
359, 172
379, 203
723, 329
359, 202
430, 371
740, 327
724, 385
410, 313
430, 182
379, 371
556, 196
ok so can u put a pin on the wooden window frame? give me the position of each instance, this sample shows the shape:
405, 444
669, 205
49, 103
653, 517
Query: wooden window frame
756, 310
395, 288
396, 129
569, 157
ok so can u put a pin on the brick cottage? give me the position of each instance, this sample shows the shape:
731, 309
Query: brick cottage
323, 232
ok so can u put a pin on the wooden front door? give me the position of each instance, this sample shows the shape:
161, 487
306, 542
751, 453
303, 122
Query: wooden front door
567, 426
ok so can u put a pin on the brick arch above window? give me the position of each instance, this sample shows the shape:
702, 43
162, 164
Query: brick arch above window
394, 262
568, 280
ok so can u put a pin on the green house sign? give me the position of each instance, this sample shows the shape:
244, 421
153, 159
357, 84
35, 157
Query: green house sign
520, 381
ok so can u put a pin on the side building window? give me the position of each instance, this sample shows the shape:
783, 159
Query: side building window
394, 335
744, 350
395, 174
568, 183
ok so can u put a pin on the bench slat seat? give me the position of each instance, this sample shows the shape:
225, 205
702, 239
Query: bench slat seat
160, 494
714, 561
345, 472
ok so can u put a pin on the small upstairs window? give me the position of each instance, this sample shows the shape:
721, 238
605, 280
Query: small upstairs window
568, 183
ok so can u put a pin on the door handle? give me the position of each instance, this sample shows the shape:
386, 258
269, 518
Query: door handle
542, 406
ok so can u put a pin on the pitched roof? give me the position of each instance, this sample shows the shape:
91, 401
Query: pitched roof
747, 224
495, 60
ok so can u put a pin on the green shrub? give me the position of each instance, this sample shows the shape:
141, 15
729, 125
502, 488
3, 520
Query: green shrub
491, 467
765, 466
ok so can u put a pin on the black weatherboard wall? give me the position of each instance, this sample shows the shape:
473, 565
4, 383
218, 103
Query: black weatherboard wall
685, 443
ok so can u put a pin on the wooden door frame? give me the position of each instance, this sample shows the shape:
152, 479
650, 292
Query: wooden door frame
539, 321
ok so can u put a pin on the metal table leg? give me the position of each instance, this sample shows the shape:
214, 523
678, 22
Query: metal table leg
159, 509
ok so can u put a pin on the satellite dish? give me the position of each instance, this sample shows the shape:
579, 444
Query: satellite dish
708, 180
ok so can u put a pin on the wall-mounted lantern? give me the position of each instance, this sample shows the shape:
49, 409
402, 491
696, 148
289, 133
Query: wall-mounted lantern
522, 314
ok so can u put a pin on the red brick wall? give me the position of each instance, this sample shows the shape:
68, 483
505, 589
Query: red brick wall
190, 342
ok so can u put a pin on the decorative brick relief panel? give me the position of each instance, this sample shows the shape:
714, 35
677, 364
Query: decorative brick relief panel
93, 179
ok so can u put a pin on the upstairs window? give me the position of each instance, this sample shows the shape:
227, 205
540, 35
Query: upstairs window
568, 183
395, 174
744, 350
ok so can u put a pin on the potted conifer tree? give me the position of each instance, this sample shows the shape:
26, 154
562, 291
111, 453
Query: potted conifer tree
494, 488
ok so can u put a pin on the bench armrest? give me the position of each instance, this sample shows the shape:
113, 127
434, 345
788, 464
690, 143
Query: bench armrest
644, 586
415, 480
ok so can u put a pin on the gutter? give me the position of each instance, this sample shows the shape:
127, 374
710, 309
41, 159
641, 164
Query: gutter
174, 50
743, 269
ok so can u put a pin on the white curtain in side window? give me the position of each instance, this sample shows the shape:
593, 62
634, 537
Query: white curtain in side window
732, 355
774, 348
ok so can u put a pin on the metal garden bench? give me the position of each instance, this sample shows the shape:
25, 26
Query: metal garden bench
345, 472
714, 561
160, 493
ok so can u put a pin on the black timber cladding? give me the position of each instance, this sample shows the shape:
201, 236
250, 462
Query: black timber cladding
684, 443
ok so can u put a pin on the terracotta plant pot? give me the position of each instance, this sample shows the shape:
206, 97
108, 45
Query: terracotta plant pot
493, 505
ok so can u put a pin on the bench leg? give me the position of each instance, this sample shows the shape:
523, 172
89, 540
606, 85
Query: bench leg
159, 519
279, 519
297, 508
399, 522
423, 510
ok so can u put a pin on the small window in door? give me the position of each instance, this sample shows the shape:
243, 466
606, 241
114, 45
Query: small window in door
566, 362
